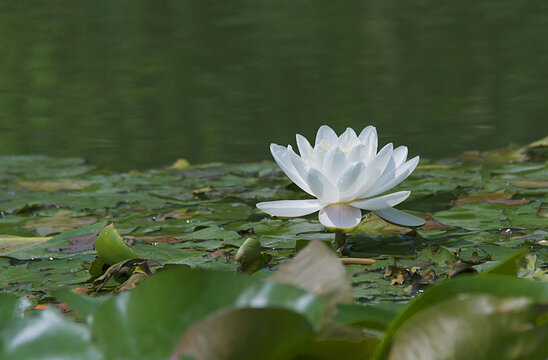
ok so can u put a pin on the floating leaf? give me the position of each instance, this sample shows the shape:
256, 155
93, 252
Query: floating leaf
438, 254
542, 210
374, 225
180, 164
58, 223
9, 243
509, 201
531, 184
111, 248
78, 244
52, 185
478, 197
51, 247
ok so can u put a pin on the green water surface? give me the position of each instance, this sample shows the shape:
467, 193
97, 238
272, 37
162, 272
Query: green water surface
138, 84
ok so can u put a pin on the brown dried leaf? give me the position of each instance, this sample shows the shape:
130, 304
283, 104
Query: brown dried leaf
433, 224
78, 244
533, 184
509, 201
62, 221
51, 186
399, 279
221, 254
479, 197
458, 268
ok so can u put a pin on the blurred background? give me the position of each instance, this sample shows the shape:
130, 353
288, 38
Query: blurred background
136, 84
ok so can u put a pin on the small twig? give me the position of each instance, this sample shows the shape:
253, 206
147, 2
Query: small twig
360, 261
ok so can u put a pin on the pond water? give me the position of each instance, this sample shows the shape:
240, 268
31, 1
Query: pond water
138, 84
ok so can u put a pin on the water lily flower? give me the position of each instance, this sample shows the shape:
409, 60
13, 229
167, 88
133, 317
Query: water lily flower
345, 174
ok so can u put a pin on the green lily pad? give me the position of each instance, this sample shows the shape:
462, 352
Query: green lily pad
111, 248
12, 307
232, 334
47, 335
147, 327
495, 329
9, 243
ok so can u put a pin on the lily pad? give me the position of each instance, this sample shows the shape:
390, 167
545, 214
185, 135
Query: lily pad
148, 311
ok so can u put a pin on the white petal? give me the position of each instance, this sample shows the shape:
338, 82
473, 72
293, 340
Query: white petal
401, 174
376, 168
351, 180
357, 153
340, 216
281, 155
388, 175
347, 139
327, 134
383, 157
304, 147
333, 163
368, 137
381, 202
299, 164
316, 157
321, 187
408, 167
400, 218
291, 208
399, 155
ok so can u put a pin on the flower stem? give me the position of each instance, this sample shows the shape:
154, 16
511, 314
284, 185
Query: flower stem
340, 239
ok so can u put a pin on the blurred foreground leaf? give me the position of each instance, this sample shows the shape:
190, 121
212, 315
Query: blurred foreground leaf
489, 284
317, 269
474, 327
149, 321
246, 334
12, 307
46, 335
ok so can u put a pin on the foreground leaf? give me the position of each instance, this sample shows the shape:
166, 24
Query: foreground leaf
62, 221
333, 349
243, 334
318, 270
476, 327
490, 284
148, 322
12, 307
48, 335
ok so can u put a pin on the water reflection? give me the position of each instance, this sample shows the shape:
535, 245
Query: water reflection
136, 84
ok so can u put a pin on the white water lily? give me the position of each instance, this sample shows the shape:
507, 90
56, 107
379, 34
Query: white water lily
345, 174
